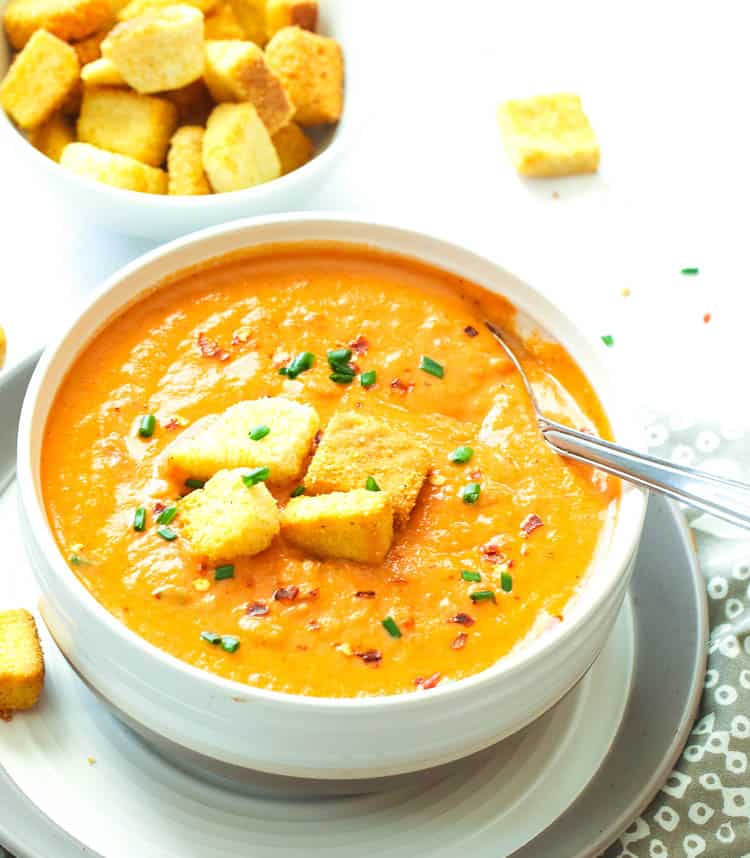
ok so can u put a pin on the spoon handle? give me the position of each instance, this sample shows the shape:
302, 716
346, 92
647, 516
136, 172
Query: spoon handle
726, 499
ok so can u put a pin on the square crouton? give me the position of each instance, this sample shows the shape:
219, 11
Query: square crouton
291, 13
21, 661
355, 447
251, 15
138, 7
237, 71
228, 519
119, 171
52, 137
69, 20
102, 72
38, 80
548, 135
293, 147
139, 126
311, 68
90, 49
226, 441
158, 50
222, 23
185, 162
237, 149
193, 102
356, 525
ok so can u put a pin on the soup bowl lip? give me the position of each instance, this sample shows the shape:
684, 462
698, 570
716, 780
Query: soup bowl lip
40, 397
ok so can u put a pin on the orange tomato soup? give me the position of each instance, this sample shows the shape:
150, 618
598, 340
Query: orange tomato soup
217, 335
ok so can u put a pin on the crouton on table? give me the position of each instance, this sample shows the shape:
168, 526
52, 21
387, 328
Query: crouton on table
139, 126
138, 7
548, 135
21, 661
311, 69
67, 19
355, 525
355, 447
226, 442
38, 80
251, 15
293, 147
185, 162
119, 171
291, 13
237, 149
52, 137
227, 518
101, 72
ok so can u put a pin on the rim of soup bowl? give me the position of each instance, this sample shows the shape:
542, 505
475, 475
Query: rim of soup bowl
365, 232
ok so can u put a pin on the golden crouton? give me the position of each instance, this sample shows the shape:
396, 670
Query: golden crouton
222, 23
237, 71
237, 149
291, 13
112, 169
138, 7
293, 147
356, 525
71, 104
3, 346
21, 661
548, 135
67, 19
52, 137
158, 50
226, 442
139, 126
90, 49
355, 448
193, 102
251, 15
227, 518
38, 80
185, 162
311, 68
101, 72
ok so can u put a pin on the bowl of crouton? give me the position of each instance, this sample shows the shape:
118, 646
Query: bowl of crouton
205, 705
158, 118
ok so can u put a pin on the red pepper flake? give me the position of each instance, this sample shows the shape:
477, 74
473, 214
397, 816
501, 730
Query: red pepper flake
475, 475
370, 656
401, 387
398, 579
286, 594
172, 423
360, 345
531, 523
257, 609
459, 642
428, 683
706, 318
462, 619
159, 507
471, 331
491, 552
313, 626
364, 594
210, 348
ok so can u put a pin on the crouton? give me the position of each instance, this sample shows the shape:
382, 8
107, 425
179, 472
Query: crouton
52, 137
102, 72
548, 135
290, 13
237, 149
185, 162
3, 346
293, 147
137, 7
251, 15
21, 661
222, 23
38, 80
356, 525
158, 50
228, 519
311, 69
69, 20
139, 126
112, 169
354, 448
237, 71
193, 102
71, 104
90, 49
226, 443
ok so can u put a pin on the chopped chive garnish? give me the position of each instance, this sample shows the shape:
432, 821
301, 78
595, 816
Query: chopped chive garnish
301, 363
339, 357
461, 455
341, 377
211, 637
689, 272
147, 426
506, 582
259, 432
483, 596
167, 533
221, 573
608, 340
371, 485
229, 643
431, 366
77, 560
257, 475
300, 490
194, 483
368, 378
468, 575
166, 516
139, 519
470, 492
389, 624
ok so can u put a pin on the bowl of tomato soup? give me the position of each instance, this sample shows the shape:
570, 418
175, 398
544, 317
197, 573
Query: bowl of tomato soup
289, 508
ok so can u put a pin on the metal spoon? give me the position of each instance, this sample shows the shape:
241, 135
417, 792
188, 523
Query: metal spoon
726, 499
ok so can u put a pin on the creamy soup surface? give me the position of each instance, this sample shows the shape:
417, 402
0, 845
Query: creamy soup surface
219, 335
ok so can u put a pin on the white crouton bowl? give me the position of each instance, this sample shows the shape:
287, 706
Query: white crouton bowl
211, 722
161, 217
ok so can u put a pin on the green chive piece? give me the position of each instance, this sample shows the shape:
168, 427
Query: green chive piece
257, 475
341, 377
431, 366
229, 643
300, 490
194, 483
167, 533
468, 575
371, 485
608, 340
259, 432
147, 426
166, 516
461, 455
368, 378
470, 492
211, 637
483, 596
690, 272
77, 560
506, 582
339, 357
221, 573
301, 363
139, 519
389, 624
